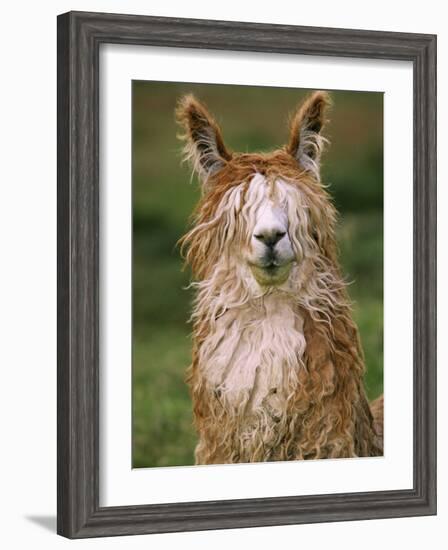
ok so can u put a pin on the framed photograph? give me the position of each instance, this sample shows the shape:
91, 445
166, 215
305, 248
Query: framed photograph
246, 274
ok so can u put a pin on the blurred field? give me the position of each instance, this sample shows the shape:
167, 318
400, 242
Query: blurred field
252, 118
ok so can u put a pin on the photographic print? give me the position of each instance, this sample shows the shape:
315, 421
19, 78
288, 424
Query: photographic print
226, 256
257, 274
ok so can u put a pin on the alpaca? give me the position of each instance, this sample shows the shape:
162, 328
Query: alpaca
277, 367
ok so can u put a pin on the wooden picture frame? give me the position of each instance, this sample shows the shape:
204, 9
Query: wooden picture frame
79, 38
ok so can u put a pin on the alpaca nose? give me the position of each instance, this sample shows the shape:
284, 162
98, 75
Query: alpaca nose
270, 237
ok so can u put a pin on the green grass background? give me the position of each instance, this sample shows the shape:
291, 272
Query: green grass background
252, 119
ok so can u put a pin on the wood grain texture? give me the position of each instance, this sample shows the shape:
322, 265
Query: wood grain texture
79, 38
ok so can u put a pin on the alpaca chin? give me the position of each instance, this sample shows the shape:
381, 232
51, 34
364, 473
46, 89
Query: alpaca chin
271, 276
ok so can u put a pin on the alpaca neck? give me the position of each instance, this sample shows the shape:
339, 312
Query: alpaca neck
251, 356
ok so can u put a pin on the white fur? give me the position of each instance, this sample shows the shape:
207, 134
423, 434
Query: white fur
310, 149
254, 352
267, 212
203, 154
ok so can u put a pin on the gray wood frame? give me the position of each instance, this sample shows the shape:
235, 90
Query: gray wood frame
79, 38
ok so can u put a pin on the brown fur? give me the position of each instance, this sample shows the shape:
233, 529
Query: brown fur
328, 415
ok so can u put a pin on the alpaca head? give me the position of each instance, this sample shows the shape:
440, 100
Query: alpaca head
264, 218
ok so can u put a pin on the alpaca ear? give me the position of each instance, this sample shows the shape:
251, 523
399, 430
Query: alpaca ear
204, 146
305, 140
